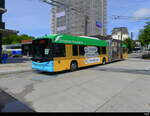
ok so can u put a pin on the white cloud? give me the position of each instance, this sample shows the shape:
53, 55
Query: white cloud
143, 12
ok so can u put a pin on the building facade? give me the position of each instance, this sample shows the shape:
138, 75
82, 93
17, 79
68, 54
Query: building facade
26, 47
120, 33
71, 22
3, 31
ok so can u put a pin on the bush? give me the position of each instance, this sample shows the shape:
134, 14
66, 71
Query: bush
146, 56
16, 56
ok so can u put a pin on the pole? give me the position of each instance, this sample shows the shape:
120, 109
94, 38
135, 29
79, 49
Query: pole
121, 34
132, 40
121, 44
0, 48
131, 35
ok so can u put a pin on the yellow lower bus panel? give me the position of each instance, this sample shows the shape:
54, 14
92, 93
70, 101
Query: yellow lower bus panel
61, 64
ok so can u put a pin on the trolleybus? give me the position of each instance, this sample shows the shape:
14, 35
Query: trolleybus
59, 52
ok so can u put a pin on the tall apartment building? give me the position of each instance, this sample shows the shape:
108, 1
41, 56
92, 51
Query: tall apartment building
3, 31
68, 21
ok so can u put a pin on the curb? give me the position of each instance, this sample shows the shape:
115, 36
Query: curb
14, 72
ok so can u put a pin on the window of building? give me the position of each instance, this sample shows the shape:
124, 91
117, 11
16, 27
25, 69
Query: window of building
59, 50
75, 50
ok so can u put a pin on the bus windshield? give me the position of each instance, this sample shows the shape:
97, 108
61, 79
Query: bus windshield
42, 50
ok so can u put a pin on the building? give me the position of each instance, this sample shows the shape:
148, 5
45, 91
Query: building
71, 22
3, 31
120, 31
138, 46
26, 46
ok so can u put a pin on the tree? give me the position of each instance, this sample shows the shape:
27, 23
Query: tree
130, 44
14, 39
144, 35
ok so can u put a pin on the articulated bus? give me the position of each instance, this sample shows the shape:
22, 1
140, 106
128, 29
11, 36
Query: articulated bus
14, 49
59, 52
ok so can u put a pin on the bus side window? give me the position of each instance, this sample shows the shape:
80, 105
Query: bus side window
104, 50
99, 51
81, 50
59, 50
75, 50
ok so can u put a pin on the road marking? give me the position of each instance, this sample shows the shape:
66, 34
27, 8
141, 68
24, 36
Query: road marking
147, 68
40, 78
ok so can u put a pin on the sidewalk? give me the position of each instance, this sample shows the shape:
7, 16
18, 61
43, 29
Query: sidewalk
15, 68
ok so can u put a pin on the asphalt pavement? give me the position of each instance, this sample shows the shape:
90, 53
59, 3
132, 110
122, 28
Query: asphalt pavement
116, 87
18, 59
16, 65
10, 104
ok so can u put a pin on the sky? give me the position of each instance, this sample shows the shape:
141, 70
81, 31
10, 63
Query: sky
133, 8
33, 17
28, 17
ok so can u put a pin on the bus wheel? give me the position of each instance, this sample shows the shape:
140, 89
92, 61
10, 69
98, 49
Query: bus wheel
73, 66
104, 61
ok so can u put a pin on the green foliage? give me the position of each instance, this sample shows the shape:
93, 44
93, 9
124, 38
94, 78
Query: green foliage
147, 56
130, 44
16, 56
14, 39
144, 35
7, 52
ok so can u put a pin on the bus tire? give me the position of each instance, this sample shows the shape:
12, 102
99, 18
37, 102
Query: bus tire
104, 61
73, 66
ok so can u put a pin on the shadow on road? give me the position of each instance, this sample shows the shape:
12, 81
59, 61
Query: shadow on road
68, 71
10, 104
17, 60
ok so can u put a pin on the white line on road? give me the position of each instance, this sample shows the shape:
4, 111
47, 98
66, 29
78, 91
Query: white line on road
147, 68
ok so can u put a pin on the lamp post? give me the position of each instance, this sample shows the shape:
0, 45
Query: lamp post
121, 43
2, 25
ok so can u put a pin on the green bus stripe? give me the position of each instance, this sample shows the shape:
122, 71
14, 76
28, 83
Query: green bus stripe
75, 40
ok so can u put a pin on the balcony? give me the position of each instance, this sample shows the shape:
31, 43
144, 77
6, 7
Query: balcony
2, 25
2, 10
2, 6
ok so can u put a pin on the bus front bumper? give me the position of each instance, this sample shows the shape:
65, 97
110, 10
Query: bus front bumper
44, 66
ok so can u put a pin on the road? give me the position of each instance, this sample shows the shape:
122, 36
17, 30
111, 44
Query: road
17, 60
117, 87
